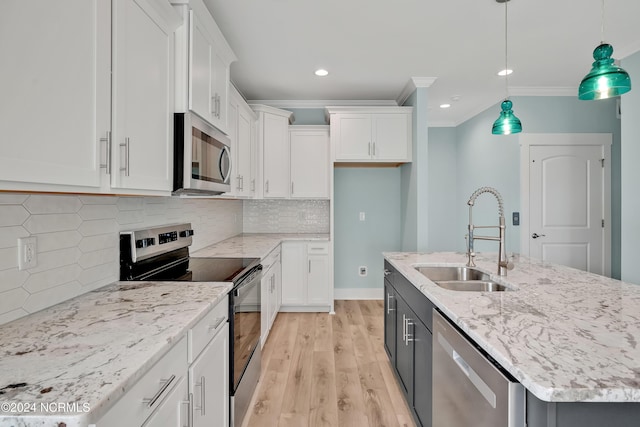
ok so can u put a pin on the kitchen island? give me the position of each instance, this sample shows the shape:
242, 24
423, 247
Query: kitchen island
569, 337
68, 364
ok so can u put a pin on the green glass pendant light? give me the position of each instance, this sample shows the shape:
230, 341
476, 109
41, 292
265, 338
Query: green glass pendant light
605, 80
507, 123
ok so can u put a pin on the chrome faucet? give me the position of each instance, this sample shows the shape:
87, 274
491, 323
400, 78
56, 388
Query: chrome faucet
503, 263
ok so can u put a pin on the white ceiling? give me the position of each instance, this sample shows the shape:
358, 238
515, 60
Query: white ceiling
372, 48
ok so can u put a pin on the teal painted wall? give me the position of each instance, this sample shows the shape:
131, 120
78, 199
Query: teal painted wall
484, 159
408, 191
444, 234
376, 192
630, 174
308, 116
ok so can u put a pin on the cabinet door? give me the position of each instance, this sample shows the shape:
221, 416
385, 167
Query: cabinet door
404, 348
236, 190
143, 94
318, 280
219, 90
55, 86
422, 341
277, 289
276, 156
309, 164
200, 70
265, 293
353, 136
172, 412
390, 322
209, 383
294, 273
390, 137
246, 151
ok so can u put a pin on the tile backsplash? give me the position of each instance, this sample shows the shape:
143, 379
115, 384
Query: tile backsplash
286, 216
77, 240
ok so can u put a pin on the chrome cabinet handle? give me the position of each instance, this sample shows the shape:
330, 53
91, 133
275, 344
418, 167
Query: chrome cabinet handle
242, 182
404, 329
253, 184
536, 235
164, 384
266, 186
201, 384
190, 420
374, 148
107, 164
219, 321
309, 266
126, 146
386, 272
369, 149
409, 337
291, 187
389, 309
238, 186
214, 105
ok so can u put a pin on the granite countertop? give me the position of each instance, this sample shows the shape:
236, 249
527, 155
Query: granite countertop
256, 245
565, 334
91, 349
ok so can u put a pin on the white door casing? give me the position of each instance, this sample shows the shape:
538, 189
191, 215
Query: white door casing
565, 197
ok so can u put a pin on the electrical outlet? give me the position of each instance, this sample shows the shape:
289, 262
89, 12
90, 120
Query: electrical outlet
362, 216
362, 270
27, 252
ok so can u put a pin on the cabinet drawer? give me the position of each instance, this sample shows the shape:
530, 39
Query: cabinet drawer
270, 259
318, 248
207, 328
151, 390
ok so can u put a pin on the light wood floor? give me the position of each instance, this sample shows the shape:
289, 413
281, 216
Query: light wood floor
328, 370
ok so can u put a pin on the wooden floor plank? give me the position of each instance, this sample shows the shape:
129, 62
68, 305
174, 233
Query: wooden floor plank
329, 370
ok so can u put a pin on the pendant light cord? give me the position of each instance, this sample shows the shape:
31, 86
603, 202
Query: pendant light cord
602, 25
506, 72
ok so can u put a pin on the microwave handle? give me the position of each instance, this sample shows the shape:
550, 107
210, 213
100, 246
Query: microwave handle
225, 152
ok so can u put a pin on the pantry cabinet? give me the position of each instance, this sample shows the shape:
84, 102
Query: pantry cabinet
305, 276
273, 149
271, 291
371, 134
242, 132
100, 120
310, 163
203, 60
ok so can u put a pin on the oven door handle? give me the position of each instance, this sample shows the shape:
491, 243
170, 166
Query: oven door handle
250, 282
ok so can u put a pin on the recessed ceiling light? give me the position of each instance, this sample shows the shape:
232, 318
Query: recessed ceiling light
321, 72
504, 72
445, 105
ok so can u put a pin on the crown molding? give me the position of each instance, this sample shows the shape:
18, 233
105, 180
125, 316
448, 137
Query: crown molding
411, 86
322, 103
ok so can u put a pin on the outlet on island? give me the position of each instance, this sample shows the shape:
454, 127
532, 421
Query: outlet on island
362, 270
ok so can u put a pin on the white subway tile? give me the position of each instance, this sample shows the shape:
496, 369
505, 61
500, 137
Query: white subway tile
60, 240
12, 215
130, 218
52, 296
9, 236
98, 226
38, 282
12, 198
55, 259
50, 204
8, 258
104, 256
98, 212
37, 224
130, 203
12, 300
12, 315
100, 241
98, 200
12, 278
100, 273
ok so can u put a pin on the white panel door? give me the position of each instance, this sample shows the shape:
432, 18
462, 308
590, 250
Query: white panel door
173, 411
200, 70
245, 150
390, 134
353, 133
55, 91
294, 273
276, 156
309, 164
318, 280
143, 56
567, 206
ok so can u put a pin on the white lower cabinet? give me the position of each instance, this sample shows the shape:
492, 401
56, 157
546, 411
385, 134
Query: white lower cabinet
162, 390
306, 284
270, 292
209, 383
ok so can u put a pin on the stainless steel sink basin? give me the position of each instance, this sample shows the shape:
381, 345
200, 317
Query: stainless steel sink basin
472, 285
464, 279
453, 273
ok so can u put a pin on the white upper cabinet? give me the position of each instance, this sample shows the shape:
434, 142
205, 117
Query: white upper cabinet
310, 164
87, 100
55, 87
273, 148
371, 134
202, 67
143, 94
242, 131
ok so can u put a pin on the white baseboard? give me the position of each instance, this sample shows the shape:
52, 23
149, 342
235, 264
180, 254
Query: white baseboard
358, 293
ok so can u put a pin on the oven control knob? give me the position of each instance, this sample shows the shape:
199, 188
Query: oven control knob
143, 243
186, 233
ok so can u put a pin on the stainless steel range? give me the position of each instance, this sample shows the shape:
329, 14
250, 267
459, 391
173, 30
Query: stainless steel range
162, 254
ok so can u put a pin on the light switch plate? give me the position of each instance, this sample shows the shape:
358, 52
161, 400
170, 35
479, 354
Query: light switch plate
515, 216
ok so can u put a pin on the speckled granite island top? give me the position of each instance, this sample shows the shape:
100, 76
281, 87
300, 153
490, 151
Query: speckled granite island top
253, 245
566, 335
91, 349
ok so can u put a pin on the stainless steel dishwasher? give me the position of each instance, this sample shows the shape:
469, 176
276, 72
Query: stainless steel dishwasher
468, 389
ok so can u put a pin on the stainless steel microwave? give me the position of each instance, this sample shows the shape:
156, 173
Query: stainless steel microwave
201, 157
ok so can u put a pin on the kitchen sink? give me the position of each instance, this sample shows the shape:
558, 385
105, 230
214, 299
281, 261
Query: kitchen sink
462, 279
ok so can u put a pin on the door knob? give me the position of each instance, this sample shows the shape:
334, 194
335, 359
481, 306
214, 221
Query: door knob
536, 235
